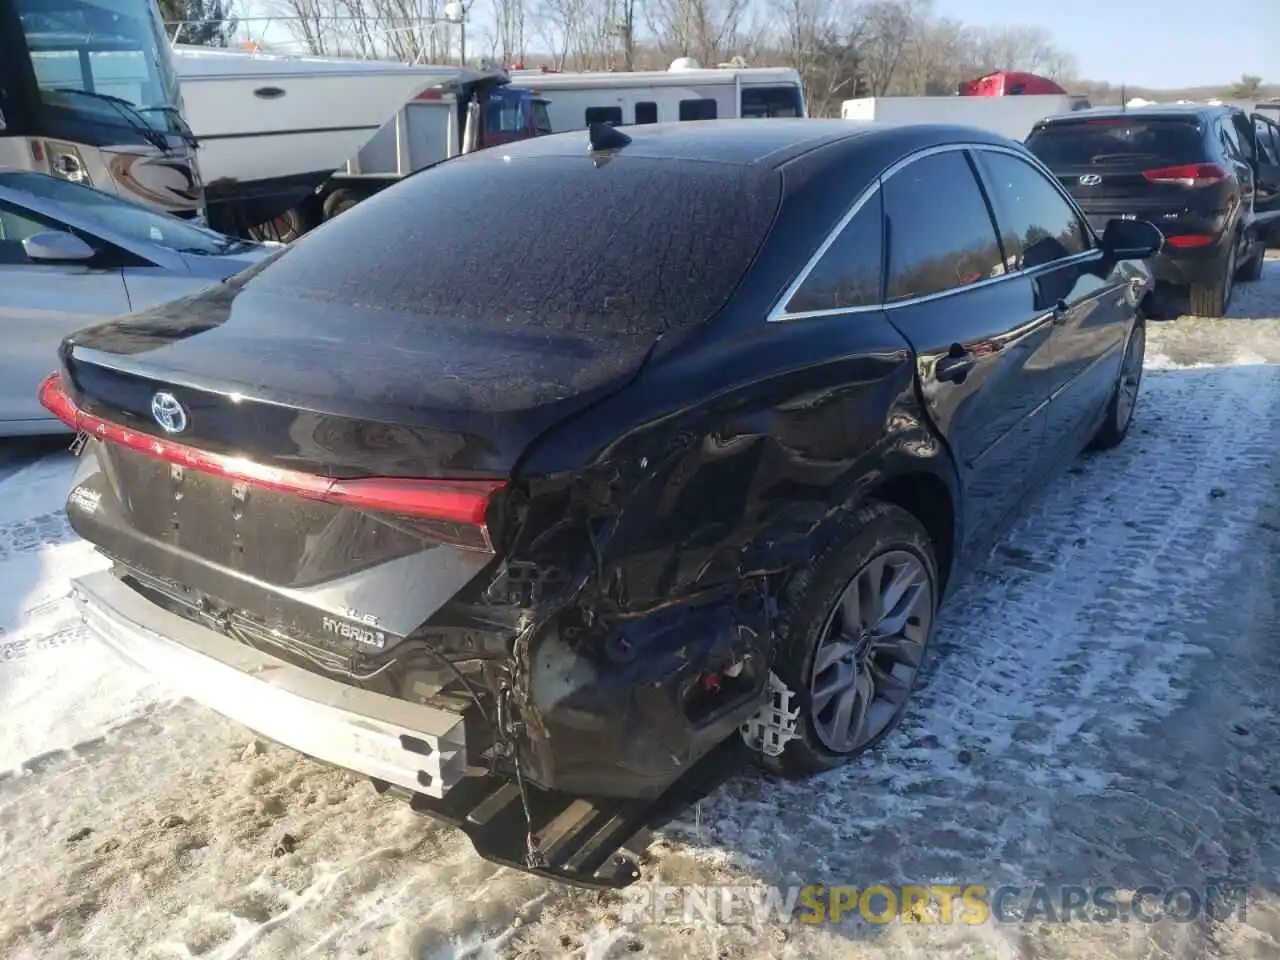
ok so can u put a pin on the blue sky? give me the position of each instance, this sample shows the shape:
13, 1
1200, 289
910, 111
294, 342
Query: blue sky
1151, 43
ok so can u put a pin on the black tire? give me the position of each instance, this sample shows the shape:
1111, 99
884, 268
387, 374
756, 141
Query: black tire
286, 228
338, 202
1119, 413
1252, 269
875, 530
1212, 299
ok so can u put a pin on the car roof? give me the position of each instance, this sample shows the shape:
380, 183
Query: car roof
1158, 111
768, 142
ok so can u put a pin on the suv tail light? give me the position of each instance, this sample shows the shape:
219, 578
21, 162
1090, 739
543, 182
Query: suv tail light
454, 511
1188, 175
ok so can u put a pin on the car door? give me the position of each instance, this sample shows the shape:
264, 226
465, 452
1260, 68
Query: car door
40, 303
1267, 140
979, 345
1087, 302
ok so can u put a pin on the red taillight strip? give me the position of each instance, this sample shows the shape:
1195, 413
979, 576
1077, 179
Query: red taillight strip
1184, 240
456, 501
1188, 174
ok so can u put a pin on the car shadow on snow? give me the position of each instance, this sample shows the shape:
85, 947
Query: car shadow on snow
1099, 707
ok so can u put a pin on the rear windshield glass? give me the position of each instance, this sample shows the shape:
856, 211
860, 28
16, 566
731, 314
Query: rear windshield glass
541, 246
1100, 141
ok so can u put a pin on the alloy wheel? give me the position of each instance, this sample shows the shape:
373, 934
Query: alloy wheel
870, 650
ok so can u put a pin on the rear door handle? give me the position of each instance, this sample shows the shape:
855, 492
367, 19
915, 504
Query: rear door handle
955, 366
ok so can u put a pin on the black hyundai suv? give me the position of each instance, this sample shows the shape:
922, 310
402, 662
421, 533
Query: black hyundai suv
1208, 176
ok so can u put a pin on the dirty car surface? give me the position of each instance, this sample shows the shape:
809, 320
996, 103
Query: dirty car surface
541, 515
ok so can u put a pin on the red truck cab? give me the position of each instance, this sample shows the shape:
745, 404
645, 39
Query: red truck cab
1009, 83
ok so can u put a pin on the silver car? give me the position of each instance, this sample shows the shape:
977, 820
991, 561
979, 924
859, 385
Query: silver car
70, 257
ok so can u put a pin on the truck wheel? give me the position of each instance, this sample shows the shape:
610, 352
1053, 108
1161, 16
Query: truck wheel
286, 228
338, 201
1211, 299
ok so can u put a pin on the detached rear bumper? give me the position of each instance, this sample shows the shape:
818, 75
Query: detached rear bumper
408, 749
409, 745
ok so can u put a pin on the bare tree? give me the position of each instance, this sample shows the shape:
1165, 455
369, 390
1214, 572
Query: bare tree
707, 30
823, 41
1027, 48
509, 29
1247, 87
891, 27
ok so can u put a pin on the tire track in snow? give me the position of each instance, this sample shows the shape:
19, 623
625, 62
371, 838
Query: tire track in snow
21, 538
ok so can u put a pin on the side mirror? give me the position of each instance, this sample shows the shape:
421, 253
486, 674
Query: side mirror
1132, 239
57, 247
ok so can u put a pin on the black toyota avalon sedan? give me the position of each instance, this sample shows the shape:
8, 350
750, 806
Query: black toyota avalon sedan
533, 482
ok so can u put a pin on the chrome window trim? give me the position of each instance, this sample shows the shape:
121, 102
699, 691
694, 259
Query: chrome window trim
779, 312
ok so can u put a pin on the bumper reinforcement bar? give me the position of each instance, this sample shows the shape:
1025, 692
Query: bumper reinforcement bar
411, 745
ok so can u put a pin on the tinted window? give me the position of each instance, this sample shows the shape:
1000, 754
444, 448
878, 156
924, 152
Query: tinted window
772, 102
647, 112
130, 220
564, 254
1242, 127
702, 109
1037, 225
604, 115
1229, 137
848, 275
15, 226
1268, 142
505, 114
940, 233
1090, 142
541, 119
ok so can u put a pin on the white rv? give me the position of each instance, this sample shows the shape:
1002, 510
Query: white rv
685, 91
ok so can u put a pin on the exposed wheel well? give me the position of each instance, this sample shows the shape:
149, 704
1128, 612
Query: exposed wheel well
926, 497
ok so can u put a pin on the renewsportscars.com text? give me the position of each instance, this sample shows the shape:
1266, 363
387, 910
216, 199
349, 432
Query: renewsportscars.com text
970, 904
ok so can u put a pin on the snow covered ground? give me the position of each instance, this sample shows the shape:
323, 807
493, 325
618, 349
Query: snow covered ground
1101, 708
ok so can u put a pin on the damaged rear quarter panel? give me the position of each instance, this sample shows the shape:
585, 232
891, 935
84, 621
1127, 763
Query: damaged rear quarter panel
709, 479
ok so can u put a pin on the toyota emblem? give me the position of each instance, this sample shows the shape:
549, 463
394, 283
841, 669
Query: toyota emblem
168, 413
1090, 180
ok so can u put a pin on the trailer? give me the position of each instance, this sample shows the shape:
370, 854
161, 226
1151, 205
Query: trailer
474, 111
684, 91
1009, 116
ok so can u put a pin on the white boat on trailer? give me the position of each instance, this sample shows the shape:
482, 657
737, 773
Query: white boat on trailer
272, 128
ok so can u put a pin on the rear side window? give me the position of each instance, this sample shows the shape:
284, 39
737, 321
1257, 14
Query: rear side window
1268, 142
1117, 140
1037, 226
1232, 142
646, 112
772, 102
701, 109
940, 234
611, 115
848, 275
564, 256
